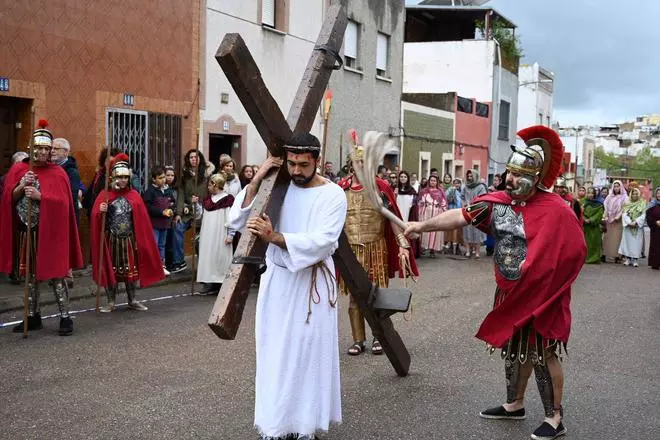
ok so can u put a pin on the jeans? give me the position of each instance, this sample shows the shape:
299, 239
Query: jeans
161, 238
177, 241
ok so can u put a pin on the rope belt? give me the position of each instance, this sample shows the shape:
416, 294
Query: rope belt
330, 283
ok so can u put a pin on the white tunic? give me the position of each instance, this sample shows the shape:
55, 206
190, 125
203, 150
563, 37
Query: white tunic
214, 255
297, 382
404, 201
632, 240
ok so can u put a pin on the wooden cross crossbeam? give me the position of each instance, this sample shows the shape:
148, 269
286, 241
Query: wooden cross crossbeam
243, 74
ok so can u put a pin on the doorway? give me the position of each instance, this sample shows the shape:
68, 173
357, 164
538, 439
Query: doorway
14, 119
220, 144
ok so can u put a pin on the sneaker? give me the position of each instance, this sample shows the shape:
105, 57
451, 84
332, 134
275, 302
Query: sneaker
34, 323
627, 262
66, 326
176, 268
499, 413
166, 272
136, 305
547, 432
635, 264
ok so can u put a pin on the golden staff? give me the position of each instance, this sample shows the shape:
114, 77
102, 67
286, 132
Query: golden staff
326, 116
103, 216
28, 240
194, 220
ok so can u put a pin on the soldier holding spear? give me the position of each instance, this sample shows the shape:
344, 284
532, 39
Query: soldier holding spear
49, 222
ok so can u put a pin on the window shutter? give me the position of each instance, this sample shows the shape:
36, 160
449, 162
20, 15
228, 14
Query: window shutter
381, 52
268, 12
351, 40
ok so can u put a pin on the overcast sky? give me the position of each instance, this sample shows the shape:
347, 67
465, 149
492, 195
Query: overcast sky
605, 54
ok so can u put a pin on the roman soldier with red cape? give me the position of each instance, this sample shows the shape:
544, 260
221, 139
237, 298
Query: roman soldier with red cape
375, 243
539, 252
130, 252
54, 232
561, 189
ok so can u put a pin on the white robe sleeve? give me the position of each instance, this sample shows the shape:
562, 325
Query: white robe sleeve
626, 220
238, 216
304, 249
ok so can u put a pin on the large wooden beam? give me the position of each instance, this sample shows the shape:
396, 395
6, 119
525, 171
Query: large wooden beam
358, 283
244, 75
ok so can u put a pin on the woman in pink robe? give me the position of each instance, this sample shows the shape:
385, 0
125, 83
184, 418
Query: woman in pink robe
431, 202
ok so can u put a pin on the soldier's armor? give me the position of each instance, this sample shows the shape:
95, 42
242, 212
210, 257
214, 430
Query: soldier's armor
120, 218
510, 243
364, 224
22, 208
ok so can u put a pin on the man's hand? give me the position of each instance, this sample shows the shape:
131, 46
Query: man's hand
261, 227
32, 192
269, 164
229, 240
168, 213
413, 228
103, 207
657, 222
186, 211
403, 252
28, 178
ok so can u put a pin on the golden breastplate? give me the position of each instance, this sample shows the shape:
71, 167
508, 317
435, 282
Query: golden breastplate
364, 224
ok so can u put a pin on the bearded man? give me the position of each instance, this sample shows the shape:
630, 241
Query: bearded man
53, 234
297, 381
539, 251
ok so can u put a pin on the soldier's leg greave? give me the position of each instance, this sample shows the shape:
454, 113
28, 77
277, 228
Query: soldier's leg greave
357, 321
61, 292
130, 291
512, 373
33, 298
546, 390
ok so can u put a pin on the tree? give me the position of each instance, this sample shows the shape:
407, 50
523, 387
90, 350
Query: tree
643, 166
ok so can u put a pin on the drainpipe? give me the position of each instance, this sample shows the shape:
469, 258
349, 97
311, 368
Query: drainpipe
496, 102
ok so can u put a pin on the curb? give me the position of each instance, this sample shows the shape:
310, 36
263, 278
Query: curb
88, 289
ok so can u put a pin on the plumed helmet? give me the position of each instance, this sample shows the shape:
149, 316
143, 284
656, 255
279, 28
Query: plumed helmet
42, 136
539, 156
120, 166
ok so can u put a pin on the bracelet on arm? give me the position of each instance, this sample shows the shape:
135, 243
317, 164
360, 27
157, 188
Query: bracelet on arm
402, 241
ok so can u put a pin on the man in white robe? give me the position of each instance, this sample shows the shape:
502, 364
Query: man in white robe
297, 380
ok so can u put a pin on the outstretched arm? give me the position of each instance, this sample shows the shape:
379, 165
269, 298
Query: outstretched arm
446, 221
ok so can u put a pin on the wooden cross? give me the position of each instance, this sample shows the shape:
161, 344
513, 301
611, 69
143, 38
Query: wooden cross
244, 76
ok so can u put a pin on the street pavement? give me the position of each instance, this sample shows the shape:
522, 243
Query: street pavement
164, 374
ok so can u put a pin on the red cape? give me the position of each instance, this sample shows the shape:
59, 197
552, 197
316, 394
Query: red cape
150, 268
58, 247
393, 264
556, 251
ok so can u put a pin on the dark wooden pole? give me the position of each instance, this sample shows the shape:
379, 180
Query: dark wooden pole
28, 239
103, 215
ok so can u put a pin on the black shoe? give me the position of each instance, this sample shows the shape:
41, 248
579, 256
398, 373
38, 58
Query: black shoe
66, 326
179, 267
547, 432
34, 323
499, 413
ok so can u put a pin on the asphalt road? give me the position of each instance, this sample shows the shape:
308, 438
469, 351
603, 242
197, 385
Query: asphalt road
164, 374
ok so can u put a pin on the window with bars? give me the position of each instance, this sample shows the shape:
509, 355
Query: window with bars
147, 138
165, 140
129, 134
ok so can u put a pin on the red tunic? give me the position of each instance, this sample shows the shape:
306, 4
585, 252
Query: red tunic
393, 263
556, 251
150, 268
58, 246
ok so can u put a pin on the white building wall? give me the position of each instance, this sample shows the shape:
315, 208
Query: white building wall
465, 67
533, 100
281, 59
505, 86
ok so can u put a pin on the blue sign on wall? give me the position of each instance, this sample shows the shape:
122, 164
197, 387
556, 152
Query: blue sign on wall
4, 84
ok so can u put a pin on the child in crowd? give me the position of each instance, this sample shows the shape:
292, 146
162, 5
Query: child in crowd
161, 204
215, 250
